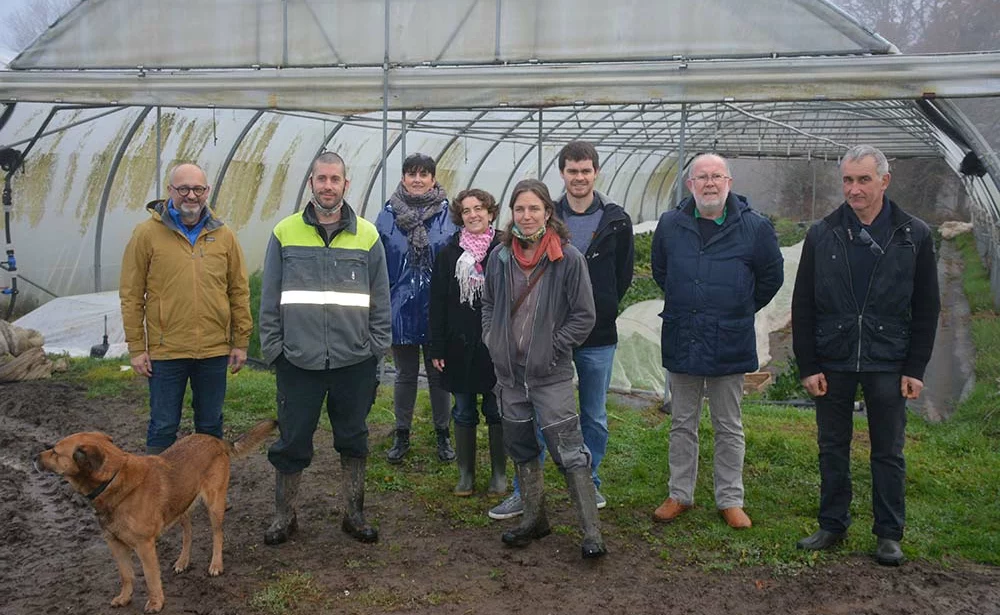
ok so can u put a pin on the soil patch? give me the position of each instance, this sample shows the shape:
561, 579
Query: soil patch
53, 559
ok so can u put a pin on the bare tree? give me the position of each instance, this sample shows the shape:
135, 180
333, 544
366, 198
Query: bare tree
31, 20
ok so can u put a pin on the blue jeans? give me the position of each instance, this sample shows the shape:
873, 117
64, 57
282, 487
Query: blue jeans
464, 411
166, 396
593, 368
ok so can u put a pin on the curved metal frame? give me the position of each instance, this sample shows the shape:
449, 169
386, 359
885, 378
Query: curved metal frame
229, 157
99, 233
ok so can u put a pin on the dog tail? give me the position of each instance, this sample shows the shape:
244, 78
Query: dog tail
248, 442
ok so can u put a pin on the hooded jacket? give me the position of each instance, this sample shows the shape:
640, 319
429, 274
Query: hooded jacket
410, 283
183, 301
564, 316
713, 289
610, 263
893, 330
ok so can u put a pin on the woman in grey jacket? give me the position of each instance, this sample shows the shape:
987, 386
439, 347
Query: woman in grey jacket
537, 306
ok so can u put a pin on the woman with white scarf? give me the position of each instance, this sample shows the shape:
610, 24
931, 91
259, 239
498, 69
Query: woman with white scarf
457, 350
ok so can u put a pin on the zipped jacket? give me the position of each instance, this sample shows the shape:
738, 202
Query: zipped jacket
712, 289
183, 301
324, 304
564, 316
610, 262
893, 330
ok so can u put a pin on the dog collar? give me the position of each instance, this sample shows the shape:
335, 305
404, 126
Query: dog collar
100, 488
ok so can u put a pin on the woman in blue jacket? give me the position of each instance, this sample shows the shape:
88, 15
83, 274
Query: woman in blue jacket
414, 225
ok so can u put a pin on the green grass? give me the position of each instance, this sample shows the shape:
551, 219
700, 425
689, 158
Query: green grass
290, 591
952, 480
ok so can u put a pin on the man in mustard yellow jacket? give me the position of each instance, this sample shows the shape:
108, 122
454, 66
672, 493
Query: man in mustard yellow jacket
185, 307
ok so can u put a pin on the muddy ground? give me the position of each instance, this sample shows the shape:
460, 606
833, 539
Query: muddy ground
53, 559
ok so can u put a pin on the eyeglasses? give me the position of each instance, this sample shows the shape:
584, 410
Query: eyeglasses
186, 190
717, 178
865, 238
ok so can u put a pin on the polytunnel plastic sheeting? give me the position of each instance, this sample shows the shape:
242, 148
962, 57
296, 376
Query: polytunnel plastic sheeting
100, 34
638, 360
72, 216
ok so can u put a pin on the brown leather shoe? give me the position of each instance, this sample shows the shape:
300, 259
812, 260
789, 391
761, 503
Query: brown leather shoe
669, 510
736, 518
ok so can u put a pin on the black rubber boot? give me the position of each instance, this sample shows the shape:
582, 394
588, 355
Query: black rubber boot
584, 497
820, 540
445, 451
534, 523
400, 446
498, 461
354, 524
465, 450
286, 491
888, 552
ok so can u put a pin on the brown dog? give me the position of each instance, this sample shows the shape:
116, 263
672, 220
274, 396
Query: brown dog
137, 497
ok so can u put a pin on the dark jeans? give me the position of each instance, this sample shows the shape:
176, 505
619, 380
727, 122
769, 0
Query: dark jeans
886, 430
166, 396
465, 413
349, 393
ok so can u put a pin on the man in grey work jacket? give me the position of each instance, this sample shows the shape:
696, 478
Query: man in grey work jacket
324, 324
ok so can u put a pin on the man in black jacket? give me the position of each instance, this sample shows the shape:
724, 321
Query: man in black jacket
864, 311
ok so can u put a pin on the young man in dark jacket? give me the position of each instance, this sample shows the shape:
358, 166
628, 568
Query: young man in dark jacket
718, 263
864, 311
602, 231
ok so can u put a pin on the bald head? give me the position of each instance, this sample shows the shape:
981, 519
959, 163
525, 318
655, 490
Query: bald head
188, 171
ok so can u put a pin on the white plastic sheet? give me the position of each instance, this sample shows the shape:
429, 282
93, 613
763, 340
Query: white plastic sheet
72, 325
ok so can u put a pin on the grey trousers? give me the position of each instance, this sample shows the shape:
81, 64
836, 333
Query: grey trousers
553, 406
406, 359
724, 396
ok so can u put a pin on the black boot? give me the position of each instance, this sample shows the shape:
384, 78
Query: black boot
534, 523
400, 446
465, 449
445, 452
286, 491
353, 471
584, 496
498, 461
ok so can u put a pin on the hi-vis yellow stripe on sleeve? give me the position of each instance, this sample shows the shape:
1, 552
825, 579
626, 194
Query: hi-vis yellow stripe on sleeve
329, 297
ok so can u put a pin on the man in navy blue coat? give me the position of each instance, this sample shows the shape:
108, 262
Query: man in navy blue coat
718, 263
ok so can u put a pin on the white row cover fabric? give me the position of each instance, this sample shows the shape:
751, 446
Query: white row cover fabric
299, 33
71, 325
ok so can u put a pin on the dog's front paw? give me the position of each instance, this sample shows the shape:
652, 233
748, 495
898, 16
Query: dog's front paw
215, 569
153, 606
121, 599
181, 565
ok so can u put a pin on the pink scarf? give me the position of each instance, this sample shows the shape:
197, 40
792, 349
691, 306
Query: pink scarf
469, 268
